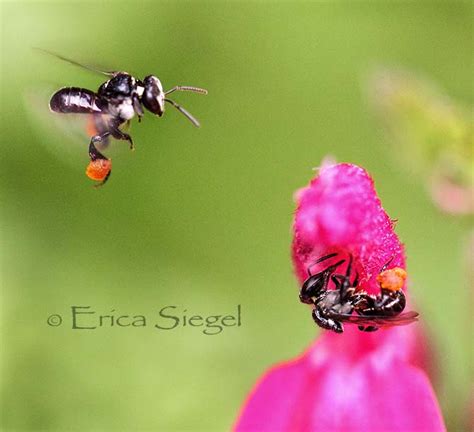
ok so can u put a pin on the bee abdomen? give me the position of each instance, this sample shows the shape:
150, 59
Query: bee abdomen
392, 302
74, 100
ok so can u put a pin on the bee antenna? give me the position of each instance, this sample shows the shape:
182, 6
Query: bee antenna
187, 88
386, 264
184, 112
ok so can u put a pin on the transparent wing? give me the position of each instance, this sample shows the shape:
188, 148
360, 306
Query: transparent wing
377, 320
75, 63
65, 136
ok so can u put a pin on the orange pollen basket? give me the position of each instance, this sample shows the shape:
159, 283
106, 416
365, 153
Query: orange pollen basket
98, 169
392, 279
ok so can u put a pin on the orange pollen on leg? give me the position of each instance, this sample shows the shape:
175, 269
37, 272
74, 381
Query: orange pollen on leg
392, 279
98, 169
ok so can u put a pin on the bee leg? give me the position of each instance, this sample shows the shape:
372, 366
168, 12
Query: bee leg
342, 284
355, 282
349, 266
137, 107
118, 134
325, 322
95, 154
323, 258
317, 283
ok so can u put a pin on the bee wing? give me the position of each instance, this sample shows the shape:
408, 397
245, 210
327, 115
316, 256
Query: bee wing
378, 320
75, 63
66, 136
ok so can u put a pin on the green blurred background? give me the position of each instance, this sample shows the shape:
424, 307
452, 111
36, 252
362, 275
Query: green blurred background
201, 219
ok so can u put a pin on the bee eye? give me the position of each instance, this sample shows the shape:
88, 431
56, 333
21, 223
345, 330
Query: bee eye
153, 96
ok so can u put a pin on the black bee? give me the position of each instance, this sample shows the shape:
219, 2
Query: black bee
334, 307
114, 104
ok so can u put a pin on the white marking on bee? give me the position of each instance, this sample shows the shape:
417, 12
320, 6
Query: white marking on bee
125, 109
160, 97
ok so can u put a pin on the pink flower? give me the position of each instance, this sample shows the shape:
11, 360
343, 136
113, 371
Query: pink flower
354, 381
340, 212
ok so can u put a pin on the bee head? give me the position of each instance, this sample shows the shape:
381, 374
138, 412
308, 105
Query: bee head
153, 97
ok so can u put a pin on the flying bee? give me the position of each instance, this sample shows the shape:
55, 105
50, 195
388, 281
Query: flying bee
111, 107
333, 307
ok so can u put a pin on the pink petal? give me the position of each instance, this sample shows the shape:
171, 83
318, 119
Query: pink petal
326, 390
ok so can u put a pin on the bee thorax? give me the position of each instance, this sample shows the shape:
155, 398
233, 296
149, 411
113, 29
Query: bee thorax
124, 109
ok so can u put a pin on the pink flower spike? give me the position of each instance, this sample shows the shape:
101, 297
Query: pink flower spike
340, 212
354, 381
